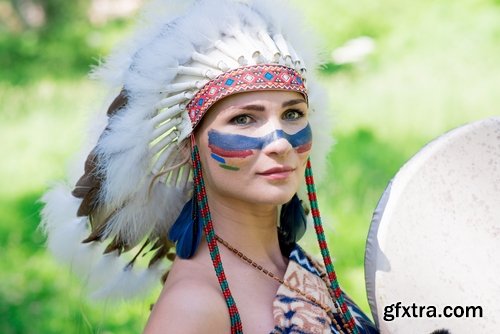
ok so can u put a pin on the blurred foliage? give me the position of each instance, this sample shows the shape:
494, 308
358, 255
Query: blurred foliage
29, 57
64, 47
435, 67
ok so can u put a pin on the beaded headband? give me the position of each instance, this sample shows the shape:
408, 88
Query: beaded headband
244, 79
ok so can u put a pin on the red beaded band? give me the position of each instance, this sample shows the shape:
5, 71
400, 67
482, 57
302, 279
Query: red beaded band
244, 79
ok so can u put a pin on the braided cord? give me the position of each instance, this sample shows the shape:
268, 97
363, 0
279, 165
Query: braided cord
201, 197
320, 234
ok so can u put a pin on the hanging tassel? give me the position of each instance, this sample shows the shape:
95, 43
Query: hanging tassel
325, 253
201, 198
293, 221
186, 231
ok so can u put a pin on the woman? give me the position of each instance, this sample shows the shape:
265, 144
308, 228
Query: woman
270, 176
205, 151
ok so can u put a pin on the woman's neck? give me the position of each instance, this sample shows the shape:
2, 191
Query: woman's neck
250, 228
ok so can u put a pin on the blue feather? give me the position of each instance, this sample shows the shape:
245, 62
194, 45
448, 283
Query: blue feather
186, 231
293, 221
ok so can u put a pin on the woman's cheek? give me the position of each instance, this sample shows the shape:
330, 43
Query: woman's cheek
302, 142
224, 151
228, 163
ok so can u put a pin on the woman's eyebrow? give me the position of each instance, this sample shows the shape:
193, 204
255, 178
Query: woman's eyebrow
255, 107
292, 102
258, 107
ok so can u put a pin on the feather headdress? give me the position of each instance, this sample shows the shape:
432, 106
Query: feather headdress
138, 176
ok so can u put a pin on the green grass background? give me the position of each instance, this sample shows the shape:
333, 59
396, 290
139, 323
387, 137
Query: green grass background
435, 67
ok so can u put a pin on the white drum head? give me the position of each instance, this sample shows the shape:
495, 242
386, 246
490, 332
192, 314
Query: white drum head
434, 240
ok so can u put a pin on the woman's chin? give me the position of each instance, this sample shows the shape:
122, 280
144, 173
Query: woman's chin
275, 196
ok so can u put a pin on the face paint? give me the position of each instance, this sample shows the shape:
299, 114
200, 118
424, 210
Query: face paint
225, 145
222, 162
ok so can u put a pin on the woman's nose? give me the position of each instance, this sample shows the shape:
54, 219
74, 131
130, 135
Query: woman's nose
278, 145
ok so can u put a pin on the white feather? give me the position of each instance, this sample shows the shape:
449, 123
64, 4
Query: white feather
163, 157
130, 283
182, 86
59, 205
167, 114
184, 178
103, 270
229, 51
199, 72
217, 64
174, 99
166, 140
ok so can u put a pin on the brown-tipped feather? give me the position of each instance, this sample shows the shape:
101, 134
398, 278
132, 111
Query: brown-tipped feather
165, 276
97, 234
119, 102
88, 180
115, 244
88, 186
99, 224
162, 248
89, 203
139, 252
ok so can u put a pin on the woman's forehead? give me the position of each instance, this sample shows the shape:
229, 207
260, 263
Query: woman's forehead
251, 101
260, 98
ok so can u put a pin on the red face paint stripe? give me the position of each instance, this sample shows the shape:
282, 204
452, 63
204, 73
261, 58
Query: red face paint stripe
230, 154
304, 148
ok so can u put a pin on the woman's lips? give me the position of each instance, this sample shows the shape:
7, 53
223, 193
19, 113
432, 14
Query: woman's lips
277, 173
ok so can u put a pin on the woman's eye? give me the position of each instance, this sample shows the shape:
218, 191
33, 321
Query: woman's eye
293, 114
241, 120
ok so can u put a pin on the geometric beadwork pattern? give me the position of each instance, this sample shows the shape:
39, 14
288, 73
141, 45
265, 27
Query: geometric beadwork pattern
244, 79
295, 314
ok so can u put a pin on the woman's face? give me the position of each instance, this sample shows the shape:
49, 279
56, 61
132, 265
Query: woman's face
254, 147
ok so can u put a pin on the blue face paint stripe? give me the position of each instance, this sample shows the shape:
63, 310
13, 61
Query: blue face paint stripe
231, 142
218, 158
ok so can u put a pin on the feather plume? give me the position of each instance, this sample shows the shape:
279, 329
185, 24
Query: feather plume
129, 283
133, 186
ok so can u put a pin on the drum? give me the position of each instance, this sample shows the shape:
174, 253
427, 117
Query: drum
432, 257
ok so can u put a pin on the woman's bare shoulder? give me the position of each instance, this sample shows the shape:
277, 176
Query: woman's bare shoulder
189, 304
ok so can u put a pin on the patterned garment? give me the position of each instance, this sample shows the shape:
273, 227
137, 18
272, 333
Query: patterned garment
295, 314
